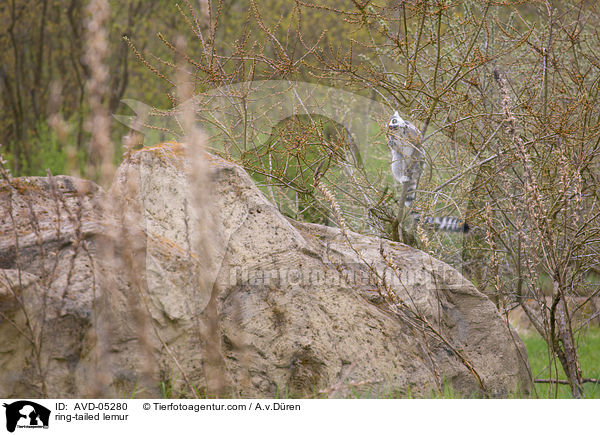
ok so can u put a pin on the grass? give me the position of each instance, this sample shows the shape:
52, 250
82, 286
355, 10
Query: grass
589, 360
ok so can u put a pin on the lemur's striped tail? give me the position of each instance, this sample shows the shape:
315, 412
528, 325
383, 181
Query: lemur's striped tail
446, 223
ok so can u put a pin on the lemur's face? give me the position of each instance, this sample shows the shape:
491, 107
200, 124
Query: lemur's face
397, 126
397, 123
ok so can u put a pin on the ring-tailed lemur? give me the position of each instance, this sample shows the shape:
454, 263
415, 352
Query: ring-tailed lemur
408, 160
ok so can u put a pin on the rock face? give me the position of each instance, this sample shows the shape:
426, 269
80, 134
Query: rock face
46, 297
175, 279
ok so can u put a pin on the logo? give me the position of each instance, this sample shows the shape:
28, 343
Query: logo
26, 414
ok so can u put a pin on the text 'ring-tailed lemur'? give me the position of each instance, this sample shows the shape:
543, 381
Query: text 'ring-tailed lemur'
408, 160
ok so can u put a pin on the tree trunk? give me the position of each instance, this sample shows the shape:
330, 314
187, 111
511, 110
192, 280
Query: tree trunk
568, 358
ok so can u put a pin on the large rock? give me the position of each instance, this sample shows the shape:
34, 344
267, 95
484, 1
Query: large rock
185, 275
47, 229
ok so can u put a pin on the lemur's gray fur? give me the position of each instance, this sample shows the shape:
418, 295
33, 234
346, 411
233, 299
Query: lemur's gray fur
408, 160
